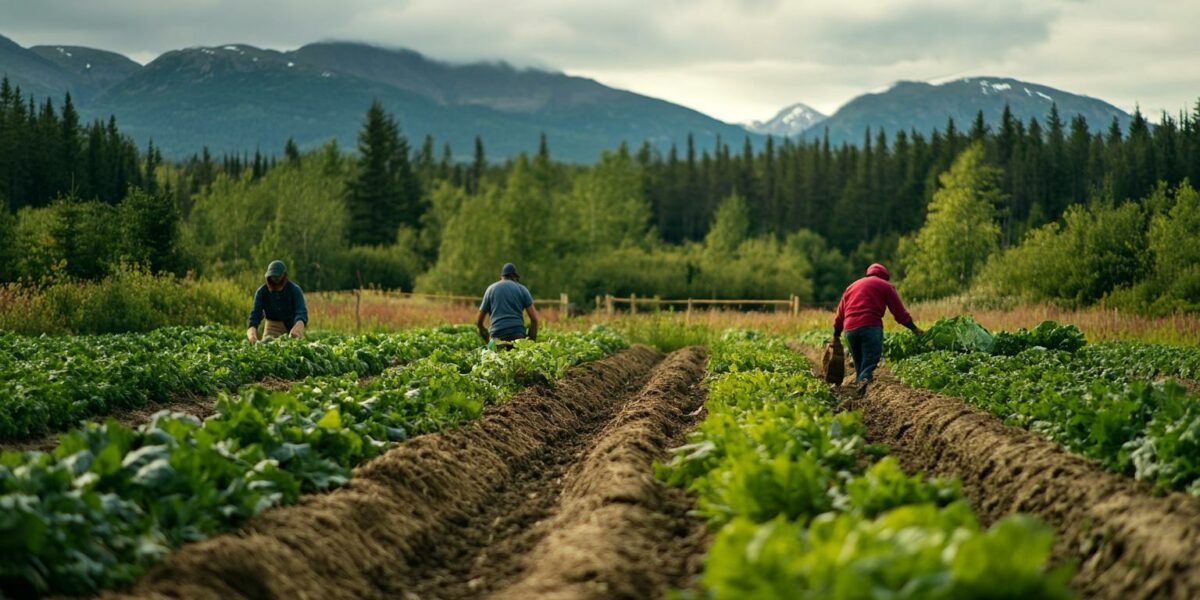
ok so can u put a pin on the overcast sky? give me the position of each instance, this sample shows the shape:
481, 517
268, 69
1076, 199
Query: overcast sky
734, 59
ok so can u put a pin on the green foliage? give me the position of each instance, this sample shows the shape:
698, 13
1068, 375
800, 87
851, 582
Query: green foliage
911, 552
111, 501
129, 299
663, 332
1101, 400
960, 232
805, 509
964, 334
150, 231
293, 213
1097, 250
1174, 246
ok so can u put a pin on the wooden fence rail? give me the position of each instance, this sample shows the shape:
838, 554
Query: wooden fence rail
610, 303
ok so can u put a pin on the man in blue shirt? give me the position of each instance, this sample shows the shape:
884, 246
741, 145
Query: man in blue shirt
506, 301
281, 302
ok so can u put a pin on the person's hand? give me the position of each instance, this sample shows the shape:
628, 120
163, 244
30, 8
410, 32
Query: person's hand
252, 335
917, 330
297, 330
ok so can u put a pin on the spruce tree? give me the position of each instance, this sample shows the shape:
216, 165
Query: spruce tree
383, 193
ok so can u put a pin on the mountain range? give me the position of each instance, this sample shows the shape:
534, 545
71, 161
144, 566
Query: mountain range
236, 98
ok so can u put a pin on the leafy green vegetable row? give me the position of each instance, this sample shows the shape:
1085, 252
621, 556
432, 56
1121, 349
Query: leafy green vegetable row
51, 383
963, 334
111, 501
805, 509
1099, 401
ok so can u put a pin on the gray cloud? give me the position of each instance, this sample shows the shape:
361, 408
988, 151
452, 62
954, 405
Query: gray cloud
735, 59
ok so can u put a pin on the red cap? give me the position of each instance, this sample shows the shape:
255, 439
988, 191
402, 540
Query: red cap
879, 271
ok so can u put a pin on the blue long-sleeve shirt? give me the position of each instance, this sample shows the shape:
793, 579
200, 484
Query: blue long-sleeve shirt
286, 305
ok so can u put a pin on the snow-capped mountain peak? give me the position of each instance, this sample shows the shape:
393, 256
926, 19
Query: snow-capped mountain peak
788, 122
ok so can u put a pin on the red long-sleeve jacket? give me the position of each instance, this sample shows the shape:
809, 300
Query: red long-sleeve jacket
864, 302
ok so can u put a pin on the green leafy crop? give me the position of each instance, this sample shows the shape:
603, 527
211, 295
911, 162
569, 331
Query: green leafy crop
111, 501
804, 508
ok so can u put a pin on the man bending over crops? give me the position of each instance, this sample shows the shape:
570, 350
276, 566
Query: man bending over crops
860, 314
281, 302
506, 301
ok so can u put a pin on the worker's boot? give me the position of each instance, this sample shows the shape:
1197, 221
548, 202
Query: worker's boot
861, 389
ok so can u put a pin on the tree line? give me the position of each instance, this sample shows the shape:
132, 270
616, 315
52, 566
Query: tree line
792, 216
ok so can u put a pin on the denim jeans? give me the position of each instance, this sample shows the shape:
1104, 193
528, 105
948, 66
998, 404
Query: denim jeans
866, 346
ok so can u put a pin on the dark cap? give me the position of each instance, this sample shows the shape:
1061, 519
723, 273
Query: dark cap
509, 269
276, 268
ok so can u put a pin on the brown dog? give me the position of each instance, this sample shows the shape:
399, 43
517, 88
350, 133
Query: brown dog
833, 364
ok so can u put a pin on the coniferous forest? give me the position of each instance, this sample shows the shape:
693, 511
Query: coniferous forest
83, 202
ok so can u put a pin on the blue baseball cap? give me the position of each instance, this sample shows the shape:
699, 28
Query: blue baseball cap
276, 268
509, 269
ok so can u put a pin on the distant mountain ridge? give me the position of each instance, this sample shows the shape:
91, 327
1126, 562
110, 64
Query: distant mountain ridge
923, 107
237, 97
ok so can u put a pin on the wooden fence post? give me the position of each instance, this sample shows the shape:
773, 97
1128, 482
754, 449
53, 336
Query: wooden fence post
688, 320
357, 303
598, 302
562, 305
608, 304
632, 303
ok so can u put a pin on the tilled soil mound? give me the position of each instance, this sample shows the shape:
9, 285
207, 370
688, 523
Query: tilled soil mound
1126, 542
442, 516
618, 532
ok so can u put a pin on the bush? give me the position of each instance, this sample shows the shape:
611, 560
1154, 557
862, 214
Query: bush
1099, 249
390, 267
130, 299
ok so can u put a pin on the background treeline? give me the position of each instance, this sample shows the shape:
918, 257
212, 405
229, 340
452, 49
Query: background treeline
799, 217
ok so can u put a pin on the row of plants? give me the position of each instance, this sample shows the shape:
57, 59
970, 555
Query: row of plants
50, 384
1113, 402
1102, 402
804, 508
110, 501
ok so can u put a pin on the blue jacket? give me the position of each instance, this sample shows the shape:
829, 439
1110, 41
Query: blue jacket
286, 305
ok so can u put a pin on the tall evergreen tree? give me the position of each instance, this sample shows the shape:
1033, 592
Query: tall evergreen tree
383, 193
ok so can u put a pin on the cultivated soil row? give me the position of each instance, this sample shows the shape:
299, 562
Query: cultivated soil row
1125, 542
551, 495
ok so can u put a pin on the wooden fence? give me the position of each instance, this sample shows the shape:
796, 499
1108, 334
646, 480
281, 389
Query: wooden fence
609, 303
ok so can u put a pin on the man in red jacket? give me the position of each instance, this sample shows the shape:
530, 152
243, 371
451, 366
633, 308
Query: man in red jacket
860, 315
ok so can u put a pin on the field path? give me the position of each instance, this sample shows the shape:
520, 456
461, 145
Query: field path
551, 495
1126, 542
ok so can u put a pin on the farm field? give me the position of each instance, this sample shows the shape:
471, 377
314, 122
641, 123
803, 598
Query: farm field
591, 465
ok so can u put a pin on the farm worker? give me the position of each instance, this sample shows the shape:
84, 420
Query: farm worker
860, 315
281, 302
505, 301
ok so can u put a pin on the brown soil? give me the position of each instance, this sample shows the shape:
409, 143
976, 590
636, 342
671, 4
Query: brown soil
1126, 542
1191, 385
452, 514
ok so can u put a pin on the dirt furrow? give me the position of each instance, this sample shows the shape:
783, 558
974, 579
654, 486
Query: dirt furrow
618, 532
1126, 542
383, 534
